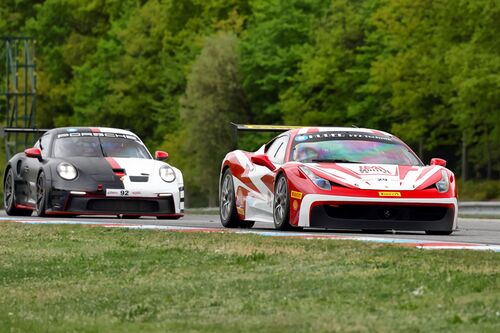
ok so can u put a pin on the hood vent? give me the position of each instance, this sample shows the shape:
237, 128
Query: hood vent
139, 179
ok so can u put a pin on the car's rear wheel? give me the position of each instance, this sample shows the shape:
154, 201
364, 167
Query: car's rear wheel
281, 204
227, 204
9, 197
41, 195
438, 232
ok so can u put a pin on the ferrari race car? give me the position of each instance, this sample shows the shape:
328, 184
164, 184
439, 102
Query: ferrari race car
337, 178
92, 171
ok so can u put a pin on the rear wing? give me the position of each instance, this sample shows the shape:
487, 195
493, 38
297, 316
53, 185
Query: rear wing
6, 130
17, 138
259, 128
264, 128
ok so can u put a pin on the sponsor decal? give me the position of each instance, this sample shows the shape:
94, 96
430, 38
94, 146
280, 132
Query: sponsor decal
373, 169
99, 134
389, 194
117, 193
300, 138
296, 195
315, 136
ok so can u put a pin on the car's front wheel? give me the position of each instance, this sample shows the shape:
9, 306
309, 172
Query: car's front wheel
41, 195
9, 197
227, 204
281, 204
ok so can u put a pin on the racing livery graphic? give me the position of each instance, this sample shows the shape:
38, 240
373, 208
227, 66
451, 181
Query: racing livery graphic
92, 171
338, 178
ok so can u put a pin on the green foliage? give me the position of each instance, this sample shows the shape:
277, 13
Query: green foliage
330, 86
271, 50
214, 98
428, 71
479, 190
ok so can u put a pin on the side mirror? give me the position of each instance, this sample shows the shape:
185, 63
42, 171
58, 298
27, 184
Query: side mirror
263, 160
161, 155
33, 152
438, 161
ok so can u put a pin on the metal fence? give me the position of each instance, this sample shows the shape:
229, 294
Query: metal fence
479, 209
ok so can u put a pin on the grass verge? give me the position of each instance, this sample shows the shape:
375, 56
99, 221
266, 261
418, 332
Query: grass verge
91, 279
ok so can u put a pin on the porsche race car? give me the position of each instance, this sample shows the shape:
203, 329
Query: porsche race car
337, 178
92, 171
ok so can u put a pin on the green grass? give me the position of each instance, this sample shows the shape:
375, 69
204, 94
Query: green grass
92, 279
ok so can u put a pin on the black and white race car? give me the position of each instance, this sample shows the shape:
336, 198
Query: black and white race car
92, 171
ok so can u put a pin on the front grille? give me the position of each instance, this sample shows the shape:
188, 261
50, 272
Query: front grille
122, 205
386, 212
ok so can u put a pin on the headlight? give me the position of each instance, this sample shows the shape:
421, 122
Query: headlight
317, 180
167, 174
66, 171
444, 184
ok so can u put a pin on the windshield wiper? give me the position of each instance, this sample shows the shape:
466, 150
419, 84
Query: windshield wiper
332, 161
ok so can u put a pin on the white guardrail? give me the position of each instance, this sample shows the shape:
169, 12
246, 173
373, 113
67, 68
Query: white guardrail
479, 208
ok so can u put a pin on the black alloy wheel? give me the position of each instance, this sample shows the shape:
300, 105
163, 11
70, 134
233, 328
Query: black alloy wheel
9, 197
41, 195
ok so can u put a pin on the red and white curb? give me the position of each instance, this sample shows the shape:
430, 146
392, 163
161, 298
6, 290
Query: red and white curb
421, 244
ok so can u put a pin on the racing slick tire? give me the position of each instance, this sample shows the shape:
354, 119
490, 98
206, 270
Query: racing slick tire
9, 197
281, 204
227, 207
438, 232
41, 195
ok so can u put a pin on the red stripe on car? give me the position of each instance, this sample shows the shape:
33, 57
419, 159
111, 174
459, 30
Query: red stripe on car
113, 163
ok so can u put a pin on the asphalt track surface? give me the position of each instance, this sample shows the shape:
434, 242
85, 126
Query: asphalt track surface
470, 230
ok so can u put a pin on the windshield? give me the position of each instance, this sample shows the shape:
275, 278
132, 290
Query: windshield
351, 149
99, 147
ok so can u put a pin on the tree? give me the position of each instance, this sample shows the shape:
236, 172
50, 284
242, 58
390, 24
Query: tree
214, 97
271, 50
330, 86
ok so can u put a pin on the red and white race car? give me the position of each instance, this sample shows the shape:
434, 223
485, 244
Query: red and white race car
338, 178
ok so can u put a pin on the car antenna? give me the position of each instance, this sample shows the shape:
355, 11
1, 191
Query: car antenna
354, 126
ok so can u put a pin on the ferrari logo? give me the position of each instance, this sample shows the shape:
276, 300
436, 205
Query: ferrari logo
389, 194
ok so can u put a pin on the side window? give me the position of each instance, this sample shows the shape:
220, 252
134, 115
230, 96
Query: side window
44, 143
277, 150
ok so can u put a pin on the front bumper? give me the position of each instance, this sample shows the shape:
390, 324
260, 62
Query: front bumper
338, 212
61, 202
